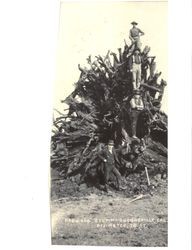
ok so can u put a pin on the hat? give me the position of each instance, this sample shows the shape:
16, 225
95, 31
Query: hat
134, 23
135, 142
136, 49
136, 92
111, 142
156, 103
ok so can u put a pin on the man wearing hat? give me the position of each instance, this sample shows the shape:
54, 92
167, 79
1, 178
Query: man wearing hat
108, 165
135, 68
137, 105
135, 34
137, 102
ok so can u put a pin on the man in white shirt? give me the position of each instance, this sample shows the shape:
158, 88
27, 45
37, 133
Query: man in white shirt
135, 68
137, 105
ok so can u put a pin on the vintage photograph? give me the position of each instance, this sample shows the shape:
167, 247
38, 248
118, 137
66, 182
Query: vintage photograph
108, 166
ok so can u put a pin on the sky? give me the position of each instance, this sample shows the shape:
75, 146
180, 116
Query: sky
94, 28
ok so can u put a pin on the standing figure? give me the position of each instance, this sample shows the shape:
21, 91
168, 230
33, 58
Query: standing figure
163, 84
108, 166
134, 35
136, 104
135, 68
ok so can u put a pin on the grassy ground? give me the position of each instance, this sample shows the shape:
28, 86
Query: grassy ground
88, 216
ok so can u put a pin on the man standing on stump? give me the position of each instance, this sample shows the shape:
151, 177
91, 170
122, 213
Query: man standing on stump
134, 35
137, 105
135, 68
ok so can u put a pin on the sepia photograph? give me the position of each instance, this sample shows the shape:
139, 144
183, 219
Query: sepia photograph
109, 169
96, 124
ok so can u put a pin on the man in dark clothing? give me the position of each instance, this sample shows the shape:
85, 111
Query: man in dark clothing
128, 160
137, 150
108, 165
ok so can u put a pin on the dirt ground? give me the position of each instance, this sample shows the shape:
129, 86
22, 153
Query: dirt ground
82, 215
